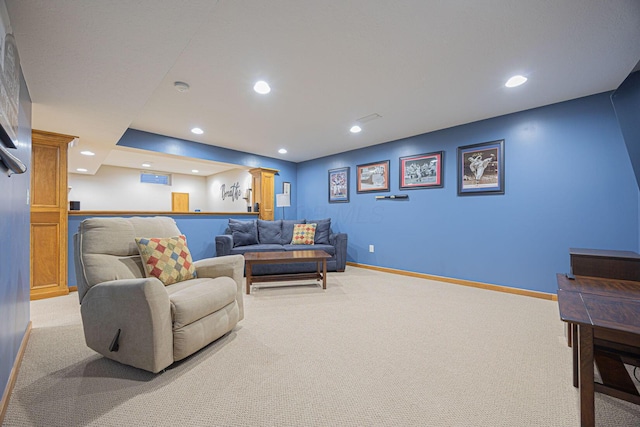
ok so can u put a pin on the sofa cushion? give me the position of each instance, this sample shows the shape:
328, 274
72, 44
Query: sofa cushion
269, 232
203, 297
303, 234
256, 248
322, 230
167, 258
287, 229
243, 232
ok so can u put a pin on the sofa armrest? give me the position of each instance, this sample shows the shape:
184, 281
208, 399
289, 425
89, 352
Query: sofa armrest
229, 266
339, 241
224, 244
140, 308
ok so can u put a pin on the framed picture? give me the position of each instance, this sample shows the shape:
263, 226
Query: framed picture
373, 177
9, 88
421, 171
339, 185
286, 188
481, 168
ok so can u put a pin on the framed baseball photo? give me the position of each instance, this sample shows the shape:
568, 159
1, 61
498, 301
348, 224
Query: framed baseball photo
481, 168
339, 185
421, 171
373, 177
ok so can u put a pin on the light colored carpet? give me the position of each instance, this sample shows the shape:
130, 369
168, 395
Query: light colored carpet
374, 349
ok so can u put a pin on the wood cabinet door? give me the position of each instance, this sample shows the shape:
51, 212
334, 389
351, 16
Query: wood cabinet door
180, 202
263, 186
48, 258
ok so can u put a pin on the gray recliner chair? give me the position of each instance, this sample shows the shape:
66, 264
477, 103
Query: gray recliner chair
137, 320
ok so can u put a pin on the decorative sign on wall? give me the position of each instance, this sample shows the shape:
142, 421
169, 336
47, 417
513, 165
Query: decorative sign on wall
233, 192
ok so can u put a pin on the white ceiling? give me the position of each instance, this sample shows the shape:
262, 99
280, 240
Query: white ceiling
95, 68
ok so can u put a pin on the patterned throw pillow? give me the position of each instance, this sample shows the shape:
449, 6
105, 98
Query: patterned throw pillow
303, 234
166, 258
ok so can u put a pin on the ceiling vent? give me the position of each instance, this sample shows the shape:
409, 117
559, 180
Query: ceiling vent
368, 118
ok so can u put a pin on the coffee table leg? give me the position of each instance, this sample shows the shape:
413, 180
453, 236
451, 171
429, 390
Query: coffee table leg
249, 265
324, 273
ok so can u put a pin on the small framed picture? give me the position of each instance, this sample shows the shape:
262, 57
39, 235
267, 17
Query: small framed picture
286, 188
481, 168
373, 177
421, 171
339, 185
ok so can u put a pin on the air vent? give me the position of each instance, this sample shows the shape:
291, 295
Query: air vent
368, 118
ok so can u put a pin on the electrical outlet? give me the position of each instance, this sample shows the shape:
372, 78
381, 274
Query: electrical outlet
370, 248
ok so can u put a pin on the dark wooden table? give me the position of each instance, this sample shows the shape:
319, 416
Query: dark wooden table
604, 315
286, 257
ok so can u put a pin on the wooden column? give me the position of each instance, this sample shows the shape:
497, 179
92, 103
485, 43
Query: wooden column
263, 186
49, 214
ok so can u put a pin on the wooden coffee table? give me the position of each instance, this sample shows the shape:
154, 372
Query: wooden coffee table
286, 257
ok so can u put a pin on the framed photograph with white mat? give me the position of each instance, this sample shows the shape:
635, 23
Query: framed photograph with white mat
339, 185
481, 168
372, 177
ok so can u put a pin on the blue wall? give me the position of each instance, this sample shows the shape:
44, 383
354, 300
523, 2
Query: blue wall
181, 147
14, 257
626, 101
569, 183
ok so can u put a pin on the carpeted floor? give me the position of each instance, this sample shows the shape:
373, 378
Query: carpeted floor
374, 349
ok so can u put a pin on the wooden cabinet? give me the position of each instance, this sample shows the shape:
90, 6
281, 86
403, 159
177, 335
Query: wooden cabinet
263, 186
49, 214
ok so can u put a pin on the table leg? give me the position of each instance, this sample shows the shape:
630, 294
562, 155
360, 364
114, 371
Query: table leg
587, 405
574, 349
249, 276
324, 273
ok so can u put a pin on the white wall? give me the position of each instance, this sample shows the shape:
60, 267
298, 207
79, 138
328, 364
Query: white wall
114, 188
225, 191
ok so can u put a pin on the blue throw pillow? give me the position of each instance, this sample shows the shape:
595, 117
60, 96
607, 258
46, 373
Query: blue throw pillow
244, 233
269, 232
322, 230
287, 229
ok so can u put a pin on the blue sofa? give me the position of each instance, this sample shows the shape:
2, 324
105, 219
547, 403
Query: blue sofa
265, 236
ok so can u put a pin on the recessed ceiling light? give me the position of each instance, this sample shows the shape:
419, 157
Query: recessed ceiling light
355, 129
282, 151
181, 86
87, 153
262, 87
195, 170
81, 170
146, 165
515, 81
197, 131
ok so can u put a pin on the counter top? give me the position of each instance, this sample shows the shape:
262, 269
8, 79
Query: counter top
146, 213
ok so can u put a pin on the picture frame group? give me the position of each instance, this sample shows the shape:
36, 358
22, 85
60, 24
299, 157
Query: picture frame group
480, 171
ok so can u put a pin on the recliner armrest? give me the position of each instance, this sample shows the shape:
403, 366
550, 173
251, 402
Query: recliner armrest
227, 266
141, 309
